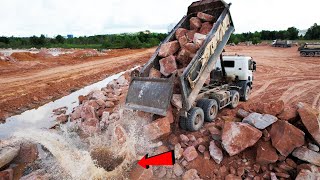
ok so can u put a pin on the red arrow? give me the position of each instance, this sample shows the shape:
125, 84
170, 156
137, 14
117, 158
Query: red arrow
164, 159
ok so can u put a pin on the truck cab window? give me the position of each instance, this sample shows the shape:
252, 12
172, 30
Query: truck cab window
228, 63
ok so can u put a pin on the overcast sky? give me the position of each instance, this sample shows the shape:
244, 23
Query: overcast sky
91, 17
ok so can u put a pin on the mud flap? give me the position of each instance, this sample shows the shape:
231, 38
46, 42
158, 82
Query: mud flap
152, 95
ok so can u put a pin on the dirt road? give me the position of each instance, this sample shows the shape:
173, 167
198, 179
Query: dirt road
26, 87
283, 75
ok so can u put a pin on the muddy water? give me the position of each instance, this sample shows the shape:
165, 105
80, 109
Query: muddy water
42, 117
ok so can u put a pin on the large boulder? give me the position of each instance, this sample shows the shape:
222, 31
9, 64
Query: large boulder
158, 128
205, 17
181, 32
236, 137
308, 175
191, 47
195, 23
288, 114
168, 65
266, 153
274, 108
285, 137
28, 153
311, 120
7, 154
184, 57
199, 39
308, 155
260, 121
169, 48
206, 28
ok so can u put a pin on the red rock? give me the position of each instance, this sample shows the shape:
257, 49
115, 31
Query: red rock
205, 17
266, 135
62, 119
120, 134
288, 114
97, 94
28, 153
6, 174
308, 155
183, 40
191, 174
238, 136
81, 98
190, 153
195, 23
109, 104
168, 65
308, 175
283, 165
206, 28
154, 73
169, 48
176, 101
190, 35
178, 151
257, 168
191, 47
199, 39
286, 137
282, 175
88, 112
184, 57
242, 113
266, 154
93, 122
139, 173
291, 163
215, 152
158, 128
206, 155
184, 138
232, 177
181, 32
201, 148
309, 167
273, 108
169, 115
311, 120
192, 138
240, 171
76, 114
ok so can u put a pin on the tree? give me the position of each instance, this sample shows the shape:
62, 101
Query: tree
293, 33
60, 39
313, 32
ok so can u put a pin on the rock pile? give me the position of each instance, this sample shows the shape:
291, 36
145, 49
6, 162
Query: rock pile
177, 54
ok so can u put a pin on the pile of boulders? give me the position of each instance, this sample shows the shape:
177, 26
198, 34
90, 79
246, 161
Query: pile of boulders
178, 53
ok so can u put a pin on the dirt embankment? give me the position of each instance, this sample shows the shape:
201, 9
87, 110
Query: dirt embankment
29, 84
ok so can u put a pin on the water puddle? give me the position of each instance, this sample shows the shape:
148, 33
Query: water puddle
42, 117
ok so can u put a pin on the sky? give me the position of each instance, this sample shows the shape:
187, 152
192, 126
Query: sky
92, 17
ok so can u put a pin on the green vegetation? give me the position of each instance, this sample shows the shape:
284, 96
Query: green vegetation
291, 33
112, 41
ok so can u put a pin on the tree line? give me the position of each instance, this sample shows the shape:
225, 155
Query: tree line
292, 33
111, 41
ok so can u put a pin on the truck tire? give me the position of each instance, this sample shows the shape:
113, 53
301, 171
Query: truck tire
210, 109
235, 98
311, 54
195, 119
246, 94
182, 122
303, 54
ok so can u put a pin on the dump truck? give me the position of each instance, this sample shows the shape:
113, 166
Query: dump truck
282, 43
309, 49
201, 99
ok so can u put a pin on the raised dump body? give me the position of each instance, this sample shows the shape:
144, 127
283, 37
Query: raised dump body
153, 95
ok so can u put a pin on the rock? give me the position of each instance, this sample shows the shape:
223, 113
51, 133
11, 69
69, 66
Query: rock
62, 119
215, 152
190, 35
82, 98
273, 176
288, 114
309, 167
291, 163
201, 148
273, 108
206, 28
109, 104
266, 135
169, 115
168, 65
311, 120
191, 174
28, 153
183, 40
242, 113
282, 175
88, 112
176, 101
232, 177
238, 136
192, 138
284, 166
190, 153
184, 163
101, 104
257, 168
178, 151
36, 175
260, 121
307, 175
206, 155
198, 39
157, 128
7, 154
285, 137
313, 147
120, 135
177, 169
240, 171
91, 122
191, 47
308, 155
181, 32
184, 138
184, 57
205, 17
122, 81
76, 114
6, 174
168, 49
139, 173
266, 154
97, 94
215, 133
195, 23
154, 73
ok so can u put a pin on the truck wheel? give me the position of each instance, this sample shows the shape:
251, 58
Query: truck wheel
195, 119
246, 94
235, 97
210, 109
311, 54
182, 122
303, 54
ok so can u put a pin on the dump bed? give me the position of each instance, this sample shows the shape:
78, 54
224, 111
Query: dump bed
154, 94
